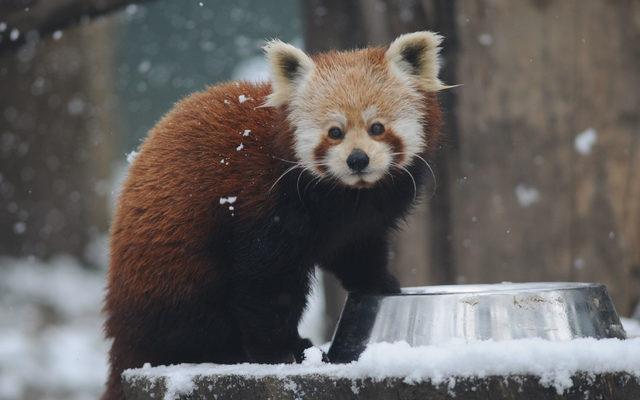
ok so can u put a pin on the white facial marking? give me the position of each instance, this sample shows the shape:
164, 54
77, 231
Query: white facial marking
337, 119
369, 114
409, 128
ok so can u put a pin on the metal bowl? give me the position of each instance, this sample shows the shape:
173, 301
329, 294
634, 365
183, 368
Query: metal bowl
433, 315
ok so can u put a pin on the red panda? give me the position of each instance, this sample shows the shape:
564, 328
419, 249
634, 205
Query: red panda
242, 188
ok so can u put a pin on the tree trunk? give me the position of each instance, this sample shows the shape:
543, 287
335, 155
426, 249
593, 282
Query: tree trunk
549, 147
56, 134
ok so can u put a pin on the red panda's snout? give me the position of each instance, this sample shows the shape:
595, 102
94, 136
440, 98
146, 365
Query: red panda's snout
357, 160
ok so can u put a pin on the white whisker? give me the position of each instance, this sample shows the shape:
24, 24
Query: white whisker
433, 175
282, 159
304, 168
298, 182
282, 176
415, 187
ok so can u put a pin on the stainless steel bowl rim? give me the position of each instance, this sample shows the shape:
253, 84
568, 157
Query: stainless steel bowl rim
494, 288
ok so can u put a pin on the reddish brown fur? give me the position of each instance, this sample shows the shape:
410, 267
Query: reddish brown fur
170, 221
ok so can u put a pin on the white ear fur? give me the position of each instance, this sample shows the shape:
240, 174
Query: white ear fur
414, 56
289, 66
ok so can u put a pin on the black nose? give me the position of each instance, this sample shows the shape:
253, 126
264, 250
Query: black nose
358, 160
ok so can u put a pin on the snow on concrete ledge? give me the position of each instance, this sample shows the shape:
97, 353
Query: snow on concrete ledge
555, 364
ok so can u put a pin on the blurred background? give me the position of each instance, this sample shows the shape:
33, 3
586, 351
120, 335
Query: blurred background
538, 179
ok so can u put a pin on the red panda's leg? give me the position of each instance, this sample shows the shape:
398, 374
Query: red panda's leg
362, 266
267, 311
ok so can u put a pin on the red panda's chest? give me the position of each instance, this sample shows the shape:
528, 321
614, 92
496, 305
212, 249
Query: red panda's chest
307, 223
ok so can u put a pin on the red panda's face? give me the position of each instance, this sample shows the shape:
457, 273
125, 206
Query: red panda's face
357, 115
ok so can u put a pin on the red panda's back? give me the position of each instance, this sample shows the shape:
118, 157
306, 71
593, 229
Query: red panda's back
211, 158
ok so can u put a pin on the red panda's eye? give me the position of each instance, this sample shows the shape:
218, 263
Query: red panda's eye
376, 129
336, 133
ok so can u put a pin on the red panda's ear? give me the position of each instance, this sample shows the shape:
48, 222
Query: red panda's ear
289, 67
414, 57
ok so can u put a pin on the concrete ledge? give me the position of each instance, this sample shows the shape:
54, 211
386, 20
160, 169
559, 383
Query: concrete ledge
613, 386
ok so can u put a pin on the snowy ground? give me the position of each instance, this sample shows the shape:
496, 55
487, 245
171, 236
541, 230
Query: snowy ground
51, 344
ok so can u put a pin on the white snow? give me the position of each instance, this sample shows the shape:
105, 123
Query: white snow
52, 283
240, 147
485, 39
131, 9
526, 195
552, 362
14, 35
19, 228
242, 98
144, 66
585, 140
178, 385
132, 156
76, 106
229, 199
246, 132
51, 338
312, 356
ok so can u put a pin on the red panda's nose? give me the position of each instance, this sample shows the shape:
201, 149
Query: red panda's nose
358, 160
